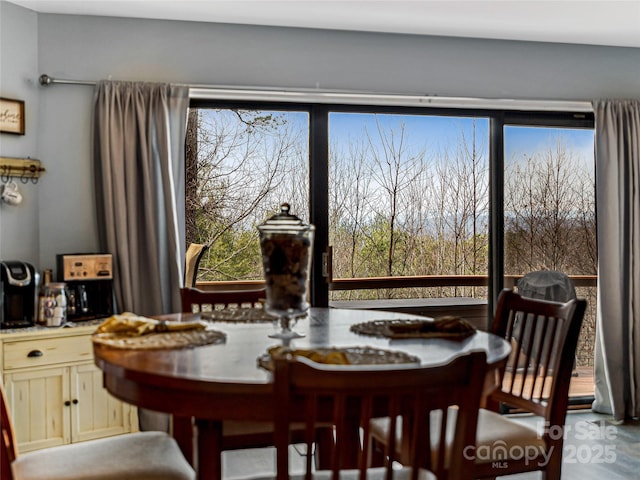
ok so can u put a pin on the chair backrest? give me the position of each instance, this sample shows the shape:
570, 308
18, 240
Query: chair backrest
546, 334
194, 254
543, 285
8, 450
194, 300
348, 397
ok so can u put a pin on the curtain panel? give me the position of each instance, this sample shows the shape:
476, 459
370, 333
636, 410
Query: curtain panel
617, 351
138, 153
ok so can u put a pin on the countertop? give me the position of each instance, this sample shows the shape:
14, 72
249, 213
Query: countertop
70, 328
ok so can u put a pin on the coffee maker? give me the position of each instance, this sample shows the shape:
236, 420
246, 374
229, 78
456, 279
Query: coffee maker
18, 294
89, 279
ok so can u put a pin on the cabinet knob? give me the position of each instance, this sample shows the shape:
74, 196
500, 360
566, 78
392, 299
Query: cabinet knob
67, 403
35, 353
75, 401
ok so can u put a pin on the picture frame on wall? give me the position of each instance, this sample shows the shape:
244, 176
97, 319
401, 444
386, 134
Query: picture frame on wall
11, 116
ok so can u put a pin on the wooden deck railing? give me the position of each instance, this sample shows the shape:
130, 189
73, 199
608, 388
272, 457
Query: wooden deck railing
372, 283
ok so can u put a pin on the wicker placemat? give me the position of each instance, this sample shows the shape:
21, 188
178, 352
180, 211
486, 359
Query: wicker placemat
153, 341
342, 356
238, 315
453, 328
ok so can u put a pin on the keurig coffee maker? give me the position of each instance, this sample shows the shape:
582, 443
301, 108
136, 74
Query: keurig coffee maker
89, 279
18, 294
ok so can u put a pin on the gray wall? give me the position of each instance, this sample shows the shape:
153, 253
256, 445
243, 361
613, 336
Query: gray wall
19, 225
196, 53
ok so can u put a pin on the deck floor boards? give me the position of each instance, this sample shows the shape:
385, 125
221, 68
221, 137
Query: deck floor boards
582, 383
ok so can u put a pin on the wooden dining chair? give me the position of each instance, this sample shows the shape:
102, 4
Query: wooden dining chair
192, 259
194, 300
539, 386
235, 435
350, 396
141, 455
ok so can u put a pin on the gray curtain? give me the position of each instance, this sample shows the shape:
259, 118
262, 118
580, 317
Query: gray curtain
139, 132
617, 355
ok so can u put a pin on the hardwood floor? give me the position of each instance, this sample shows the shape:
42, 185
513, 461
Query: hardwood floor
595, 449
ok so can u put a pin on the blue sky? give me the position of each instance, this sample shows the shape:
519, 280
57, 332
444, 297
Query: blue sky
531, 139
432, 132
426, 132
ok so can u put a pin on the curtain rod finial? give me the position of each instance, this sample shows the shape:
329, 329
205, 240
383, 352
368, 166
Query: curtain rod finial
45, 80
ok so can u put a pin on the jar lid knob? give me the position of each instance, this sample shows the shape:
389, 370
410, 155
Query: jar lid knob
284, 219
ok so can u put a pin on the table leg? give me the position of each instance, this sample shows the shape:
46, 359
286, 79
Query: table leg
209, 449
491, 384
184, 434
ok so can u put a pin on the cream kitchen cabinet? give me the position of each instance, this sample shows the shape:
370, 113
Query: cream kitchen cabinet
55, 391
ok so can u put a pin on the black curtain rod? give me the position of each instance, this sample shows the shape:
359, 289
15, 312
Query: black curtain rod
46, 80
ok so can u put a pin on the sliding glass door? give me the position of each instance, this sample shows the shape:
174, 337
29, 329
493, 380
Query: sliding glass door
550, 221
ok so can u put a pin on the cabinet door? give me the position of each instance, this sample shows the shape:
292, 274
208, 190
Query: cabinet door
37, 403
95, 413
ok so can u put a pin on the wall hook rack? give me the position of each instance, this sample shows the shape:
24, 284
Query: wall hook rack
25, 169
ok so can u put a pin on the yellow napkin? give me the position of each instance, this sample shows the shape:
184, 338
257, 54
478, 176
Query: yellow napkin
329, 356
130, 324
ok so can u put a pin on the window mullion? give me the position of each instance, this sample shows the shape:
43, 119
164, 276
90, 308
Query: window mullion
319, 199
496, 209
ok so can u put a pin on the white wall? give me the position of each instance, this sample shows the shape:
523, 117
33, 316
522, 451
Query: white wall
93, 48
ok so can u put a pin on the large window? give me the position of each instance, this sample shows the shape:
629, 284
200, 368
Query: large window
241, 164
394, 192
549, 200
408, 196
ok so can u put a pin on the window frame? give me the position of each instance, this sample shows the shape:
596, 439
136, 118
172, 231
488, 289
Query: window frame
319, 166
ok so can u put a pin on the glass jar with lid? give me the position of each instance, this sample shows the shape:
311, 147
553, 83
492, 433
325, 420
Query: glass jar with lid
55, 304
286, 245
